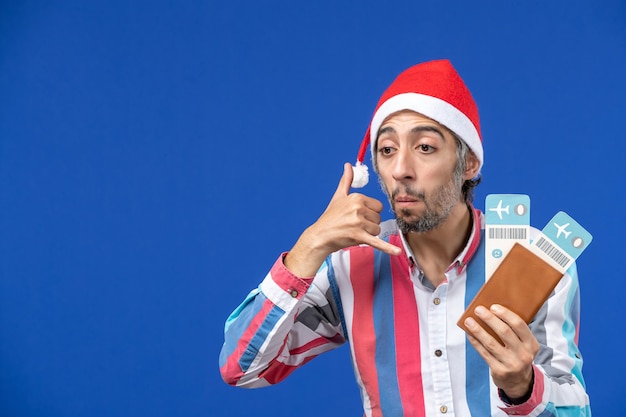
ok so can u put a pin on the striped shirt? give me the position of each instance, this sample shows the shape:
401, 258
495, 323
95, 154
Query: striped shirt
409, 356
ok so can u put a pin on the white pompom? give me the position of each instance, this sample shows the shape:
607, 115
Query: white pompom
361, 176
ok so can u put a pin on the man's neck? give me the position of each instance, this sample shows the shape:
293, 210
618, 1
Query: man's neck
436, 249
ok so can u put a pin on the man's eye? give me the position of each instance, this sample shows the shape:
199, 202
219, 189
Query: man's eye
426, 148
386, 150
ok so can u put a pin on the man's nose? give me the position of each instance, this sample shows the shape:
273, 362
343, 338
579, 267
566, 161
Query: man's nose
404, 166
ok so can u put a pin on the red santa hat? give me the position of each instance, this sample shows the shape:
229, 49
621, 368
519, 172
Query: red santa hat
435, 90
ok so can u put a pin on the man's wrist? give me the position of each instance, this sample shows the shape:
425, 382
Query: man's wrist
519, 400
515, 401
304, 259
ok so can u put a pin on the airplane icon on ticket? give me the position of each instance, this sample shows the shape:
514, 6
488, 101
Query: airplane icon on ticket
562, 229
499, 209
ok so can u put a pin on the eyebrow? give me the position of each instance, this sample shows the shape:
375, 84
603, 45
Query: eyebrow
416, 129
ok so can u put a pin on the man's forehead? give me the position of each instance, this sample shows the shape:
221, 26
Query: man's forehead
436, 126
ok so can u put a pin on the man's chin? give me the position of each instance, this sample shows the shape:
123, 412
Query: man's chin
408, 215
408, 219
418, 224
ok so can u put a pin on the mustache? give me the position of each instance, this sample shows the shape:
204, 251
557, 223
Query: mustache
418, 195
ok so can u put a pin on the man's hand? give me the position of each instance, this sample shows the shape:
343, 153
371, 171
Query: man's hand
349, 219
511, 364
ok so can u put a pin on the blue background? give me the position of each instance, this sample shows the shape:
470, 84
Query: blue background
157, 156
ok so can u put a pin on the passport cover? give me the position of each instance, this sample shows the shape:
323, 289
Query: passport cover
522, 283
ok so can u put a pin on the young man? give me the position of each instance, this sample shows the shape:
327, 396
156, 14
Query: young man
395, 290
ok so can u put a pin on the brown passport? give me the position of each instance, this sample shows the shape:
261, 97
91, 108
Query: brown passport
522, 283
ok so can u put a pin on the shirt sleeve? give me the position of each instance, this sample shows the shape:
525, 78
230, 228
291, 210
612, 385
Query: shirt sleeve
281, 325
559, 387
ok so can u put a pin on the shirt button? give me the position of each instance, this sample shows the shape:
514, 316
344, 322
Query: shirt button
293, 293
437, 301
443, 409
438, 353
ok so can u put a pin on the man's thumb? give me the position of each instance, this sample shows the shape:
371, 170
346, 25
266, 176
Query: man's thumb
343, 188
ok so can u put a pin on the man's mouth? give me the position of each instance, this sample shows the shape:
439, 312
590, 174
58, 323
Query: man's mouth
406, 199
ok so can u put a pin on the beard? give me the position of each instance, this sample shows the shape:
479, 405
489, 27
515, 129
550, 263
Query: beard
438, 206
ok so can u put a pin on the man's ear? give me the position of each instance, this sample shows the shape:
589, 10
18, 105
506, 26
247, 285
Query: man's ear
471, 166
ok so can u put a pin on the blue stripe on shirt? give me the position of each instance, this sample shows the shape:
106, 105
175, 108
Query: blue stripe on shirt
335, 290
572, 309
476, 369
236, 325
275, 314
388, 389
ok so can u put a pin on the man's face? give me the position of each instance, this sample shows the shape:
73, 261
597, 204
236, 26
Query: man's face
416, 161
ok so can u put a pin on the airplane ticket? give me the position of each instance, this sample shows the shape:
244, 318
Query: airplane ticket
561, 241
507, 221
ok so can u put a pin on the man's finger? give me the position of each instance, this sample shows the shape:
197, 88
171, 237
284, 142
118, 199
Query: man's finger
343, 189
386, 247
373, 204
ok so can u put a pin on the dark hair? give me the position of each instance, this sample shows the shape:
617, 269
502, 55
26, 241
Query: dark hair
462, 153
